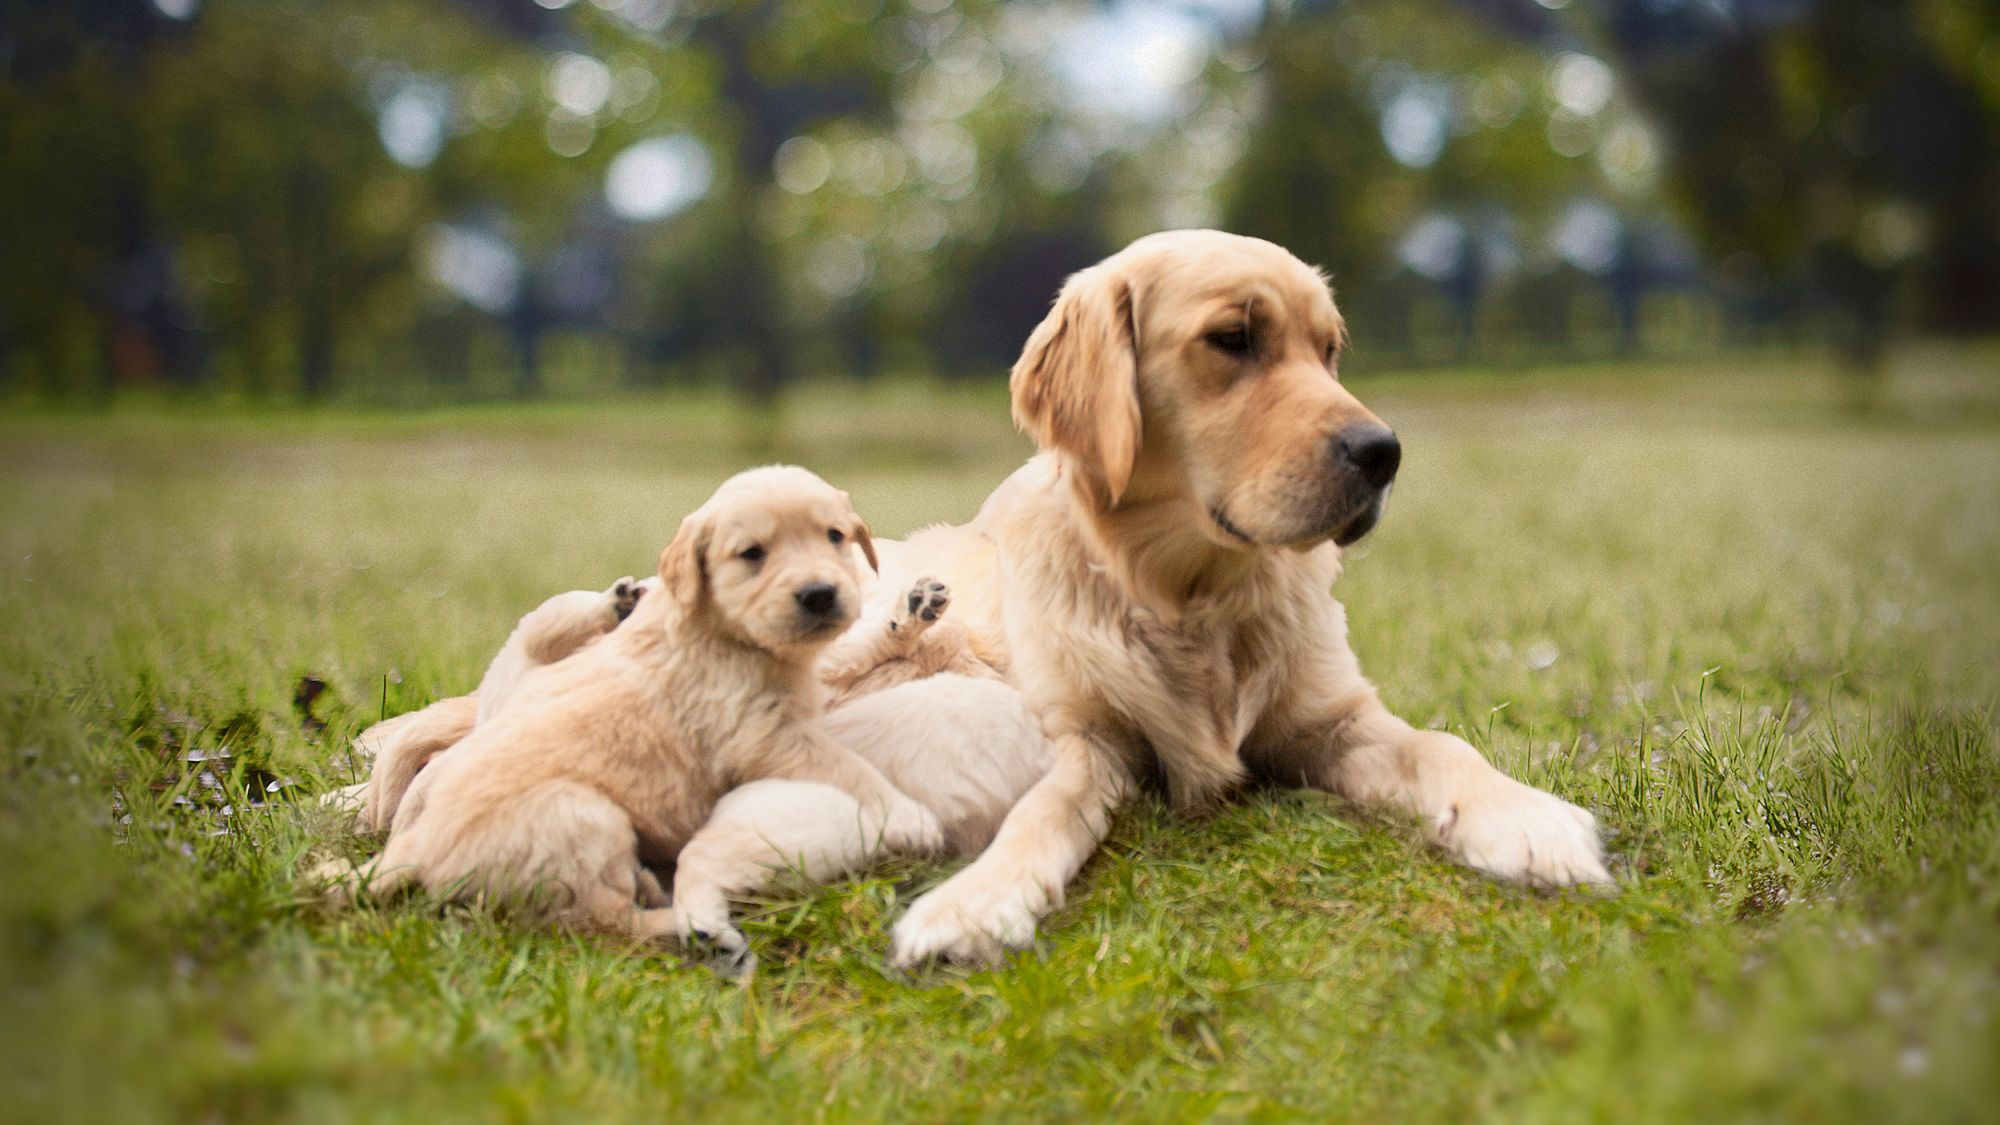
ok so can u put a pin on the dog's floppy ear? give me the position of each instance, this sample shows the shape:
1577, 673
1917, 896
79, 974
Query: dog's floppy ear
862, 537
866, 541
1076, 385
684, 564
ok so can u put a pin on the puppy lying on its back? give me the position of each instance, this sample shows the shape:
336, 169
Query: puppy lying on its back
615, 756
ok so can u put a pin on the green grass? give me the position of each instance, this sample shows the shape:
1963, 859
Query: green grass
1754, 630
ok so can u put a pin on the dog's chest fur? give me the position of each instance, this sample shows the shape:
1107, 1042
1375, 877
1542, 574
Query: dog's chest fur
1212, 674
1178, 697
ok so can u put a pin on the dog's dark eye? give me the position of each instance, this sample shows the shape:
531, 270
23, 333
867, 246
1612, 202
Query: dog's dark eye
834, 536
1230, 341
752, 553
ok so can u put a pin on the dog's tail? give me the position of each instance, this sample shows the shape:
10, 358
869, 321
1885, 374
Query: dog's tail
401, 747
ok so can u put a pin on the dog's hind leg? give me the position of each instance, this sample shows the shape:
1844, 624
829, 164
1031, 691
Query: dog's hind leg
651, 895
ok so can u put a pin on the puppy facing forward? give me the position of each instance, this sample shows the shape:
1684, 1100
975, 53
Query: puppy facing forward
614, 757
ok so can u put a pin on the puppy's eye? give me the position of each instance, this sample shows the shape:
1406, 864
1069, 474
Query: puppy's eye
834, 536
751, 554
1230, 341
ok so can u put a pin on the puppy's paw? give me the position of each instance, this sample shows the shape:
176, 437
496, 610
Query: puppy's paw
912, 829
925, 602
350, 804
1520, 834
624, 595
972, 919
725, 951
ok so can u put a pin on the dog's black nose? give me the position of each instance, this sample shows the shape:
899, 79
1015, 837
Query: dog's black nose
819, 598
1373, 451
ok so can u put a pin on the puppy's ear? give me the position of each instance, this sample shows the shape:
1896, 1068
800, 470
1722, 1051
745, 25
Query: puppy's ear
1076, 385
864, 539
684, 564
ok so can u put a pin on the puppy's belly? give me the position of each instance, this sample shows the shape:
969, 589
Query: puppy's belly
966, 748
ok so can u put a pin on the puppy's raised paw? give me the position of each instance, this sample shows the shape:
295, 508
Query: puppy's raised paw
624, 596
925, 602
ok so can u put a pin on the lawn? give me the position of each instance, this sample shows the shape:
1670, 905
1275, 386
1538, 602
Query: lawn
1752, 627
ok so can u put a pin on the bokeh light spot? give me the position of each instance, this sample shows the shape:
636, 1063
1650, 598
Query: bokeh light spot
659, 177
578, 83
1415, 124
1586, 236
801, 165
1580, 83
412, 123
478, 265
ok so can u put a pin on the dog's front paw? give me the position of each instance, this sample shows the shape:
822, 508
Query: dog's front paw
725, 951
912, 829
624, 595
1522, 835
701, 922
971, 919
923, 604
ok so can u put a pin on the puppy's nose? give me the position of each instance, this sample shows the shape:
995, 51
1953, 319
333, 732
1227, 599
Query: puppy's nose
820, 598
1373, 451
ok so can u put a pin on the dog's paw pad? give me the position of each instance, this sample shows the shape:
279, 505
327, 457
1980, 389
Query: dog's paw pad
927, 600
726, 951
625, 595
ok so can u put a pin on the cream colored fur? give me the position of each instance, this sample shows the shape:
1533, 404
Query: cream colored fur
614, 756
1157, 584
1154, 587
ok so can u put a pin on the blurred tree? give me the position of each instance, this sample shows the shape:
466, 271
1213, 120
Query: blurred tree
1846, 143
86, 278
269, 174
406, 197
1416, 137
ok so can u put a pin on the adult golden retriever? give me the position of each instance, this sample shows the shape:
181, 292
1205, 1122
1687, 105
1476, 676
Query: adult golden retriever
1157, 584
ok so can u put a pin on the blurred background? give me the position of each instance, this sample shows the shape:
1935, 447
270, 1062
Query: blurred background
415, 201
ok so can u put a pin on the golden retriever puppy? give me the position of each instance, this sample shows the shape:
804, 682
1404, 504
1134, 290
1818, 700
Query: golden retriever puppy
398, 747
614, 757
1156, 583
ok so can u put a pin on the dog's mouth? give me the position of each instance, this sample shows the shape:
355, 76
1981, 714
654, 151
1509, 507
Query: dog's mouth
814, 627
1343, 532
1222, 521
1362, 522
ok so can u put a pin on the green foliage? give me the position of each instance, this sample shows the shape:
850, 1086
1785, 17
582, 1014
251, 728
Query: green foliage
1756, 633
